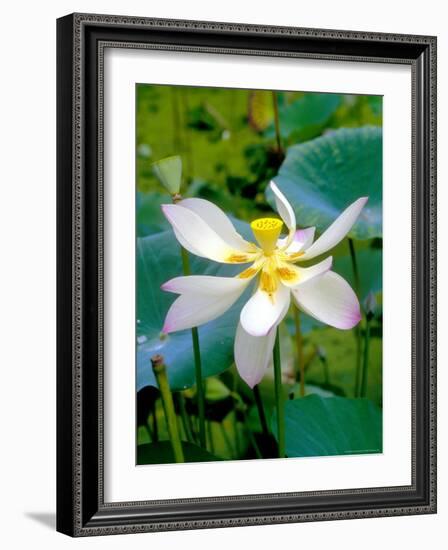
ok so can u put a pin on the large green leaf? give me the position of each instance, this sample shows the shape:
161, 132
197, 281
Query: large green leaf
306, 117
158, 260
370, 267
150, 218
162, 453
323, 176
322, 426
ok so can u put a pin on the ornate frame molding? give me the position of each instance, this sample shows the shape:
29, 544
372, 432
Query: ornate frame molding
81, 42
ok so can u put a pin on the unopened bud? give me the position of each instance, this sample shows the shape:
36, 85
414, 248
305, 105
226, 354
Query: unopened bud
169, 172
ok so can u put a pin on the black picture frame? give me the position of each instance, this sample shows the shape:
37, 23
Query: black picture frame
81, 39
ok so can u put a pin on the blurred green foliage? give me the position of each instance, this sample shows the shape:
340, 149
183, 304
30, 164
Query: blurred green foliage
226, 138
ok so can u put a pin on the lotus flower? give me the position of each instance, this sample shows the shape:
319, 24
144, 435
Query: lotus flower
204, 230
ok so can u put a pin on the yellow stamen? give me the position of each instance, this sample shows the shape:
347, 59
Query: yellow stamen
294, 257
238, 258
287, 274
267, 231
249, 272
268, 283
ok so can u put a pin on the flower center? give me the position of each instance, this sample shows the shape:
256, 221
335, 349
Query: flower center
267, 231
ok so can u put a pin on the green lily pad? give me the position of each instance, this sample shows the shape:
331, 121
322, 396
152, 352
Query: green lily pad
324, 176
162, 453
149, 216
158, 260
306, 117
370, 269
325, 426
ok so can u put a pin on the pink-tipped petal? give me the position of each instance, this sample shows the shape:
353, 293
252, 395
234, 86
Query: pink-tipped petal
337, 230
303, 238
253, 354
206, 285
199, 238
202, 299
190, 310
218, 221
286, 212
330, 299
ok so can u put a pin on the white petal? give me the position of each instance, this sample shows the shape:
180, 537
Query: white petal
286, 212
294, 276
337, 230
194, 308
263, 311
205, 285
199, 238
252, 354
303, 238
218, 221
330, 299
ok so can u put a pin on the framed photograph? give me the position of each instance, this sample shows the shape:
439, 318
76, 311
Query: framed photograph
246, 274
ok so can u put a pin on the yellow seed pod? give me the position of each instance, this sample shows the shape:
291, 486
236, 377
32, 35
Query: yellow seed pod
267, 231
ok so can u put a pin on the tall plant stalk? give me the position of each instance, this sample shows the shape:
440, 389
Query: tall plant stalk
158, 366
365, 363
357, 329
261, 412
185, 418
299, 349
277, 122
200, 394
279, 397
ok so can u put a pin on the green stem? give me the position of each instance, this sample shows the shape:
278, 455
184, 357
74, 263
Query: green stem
175, 118
365, 363
159, 369
187, 138
326, 371
357, 330
155, 425
279, 397
210, 436
261, 413
237, 434
251, 438
200, 394
227, 442
185, 419
299, 348
235, 417
277, 122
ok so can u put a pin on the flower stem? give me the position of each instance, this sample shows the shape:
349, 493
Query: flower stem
200, 395
185, 419
226, 439
187, 137
210, 436
277, 122
326, 371
357, 330
236, 431
155, 425
175, 118
261, 413
251, 438
365, 363
159, 369
299, 348
279, 397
